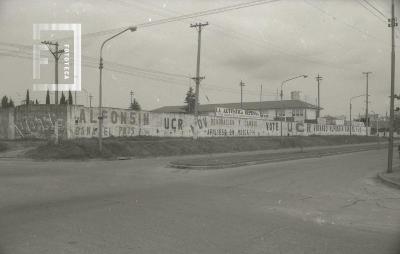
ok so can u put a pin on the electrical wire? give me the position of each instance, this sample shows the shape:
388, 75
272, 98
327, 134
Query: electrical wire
375, 8
351, 26
370, 11
182, 17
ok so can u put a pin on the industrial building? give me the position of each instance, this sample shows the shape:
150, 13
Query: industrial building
286, 110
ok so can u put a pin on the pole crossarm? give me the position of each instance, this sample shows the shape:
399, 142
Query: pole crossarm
199, 25
198, 78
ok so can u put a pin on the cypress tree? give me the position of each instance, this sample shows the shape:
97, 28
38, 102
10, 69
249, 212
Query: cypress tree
4, 102
63, 100
11, 103
27, 100
70, 102
135, 105
47, 97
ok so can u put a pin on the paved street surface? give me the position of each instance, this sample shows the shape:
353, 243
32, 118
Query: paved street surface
266, 156
332, 204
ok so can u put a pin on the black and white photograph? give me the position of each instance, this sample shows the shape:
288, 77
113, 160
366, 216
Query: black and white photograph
200, 126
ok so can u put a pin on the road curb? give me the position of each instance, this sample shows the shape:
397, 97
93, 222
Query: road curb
388, 181
252, 163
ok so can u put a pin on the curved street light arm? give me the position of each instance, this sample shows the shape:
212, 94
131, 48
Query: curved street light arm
131, 28
300, 76
357, 97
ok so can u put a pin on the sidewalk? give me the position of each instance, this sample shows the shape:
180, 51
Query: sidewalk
213, 161
392, 179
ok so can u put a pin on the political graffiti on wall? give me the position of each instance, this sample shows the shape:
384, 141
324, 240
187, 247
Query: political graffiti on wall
83, 122
125, 123
39, 121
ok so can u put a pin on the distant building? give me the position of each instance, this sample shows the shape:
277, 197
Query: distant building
286, 110
295, 95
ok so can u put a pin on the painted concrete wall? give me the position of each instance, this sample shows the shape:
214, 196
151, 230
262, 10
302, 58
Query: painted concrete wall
38, 121
123, 122
7, 130
81, 122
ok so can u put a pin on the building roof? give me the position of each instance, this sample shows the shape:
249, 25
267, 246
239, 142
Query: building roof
264, 105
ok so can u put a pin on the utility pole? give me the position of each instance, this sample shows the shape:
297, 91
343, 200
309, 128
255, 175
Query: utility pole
392, 24
241, 84
366, 104
260, 97
199, 27
90, 100
351, 124
132, 93
318, 78
56, 53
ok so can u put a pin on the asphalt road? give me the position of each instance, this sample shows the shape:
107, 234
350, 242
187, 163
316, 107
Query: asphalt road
323, 205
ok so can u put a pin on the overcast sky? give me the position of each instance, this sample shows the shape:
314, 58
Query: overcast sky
264, 44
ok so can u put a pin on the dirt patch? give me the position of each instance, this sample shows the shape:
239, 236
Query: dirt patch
152, 146
3, 147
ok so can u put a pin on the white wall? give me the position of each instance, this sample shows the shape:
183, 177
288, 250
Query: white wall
82, 122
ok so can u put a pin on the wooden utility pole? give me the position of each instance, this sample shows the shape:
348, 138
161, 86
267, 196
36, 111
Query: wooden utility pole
90, 100
392, 24
366, 104
318, 78
260, 97
197, 79
241, 84
131, 99
56, 53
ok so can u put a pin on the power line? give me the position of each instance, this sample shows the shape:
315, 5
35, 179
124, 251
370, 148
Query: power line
370, 11
182, 17
110, 68
138, 68
341, 21
27, 50
375, 8
216, 28
150, 76
386, 17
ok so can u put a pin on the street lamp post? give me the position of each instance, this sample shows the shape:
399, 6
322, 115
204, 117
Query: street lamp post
351, 121
284, 82
132, 29
86, 95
